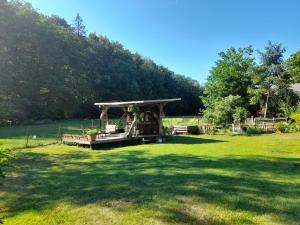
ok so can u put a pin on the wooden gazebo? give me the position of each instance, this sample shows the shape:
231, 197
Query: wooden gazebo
143, 120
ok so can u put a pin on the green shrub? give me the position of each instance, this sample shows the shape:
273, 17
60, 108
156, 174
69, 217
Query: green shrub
5, 156
92, 132
294, 127
296, 117
211, 130
282, 127
252, 131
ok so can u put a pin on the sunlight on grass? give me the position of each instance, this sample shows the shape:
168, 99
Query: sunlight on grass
189, 180
15, 136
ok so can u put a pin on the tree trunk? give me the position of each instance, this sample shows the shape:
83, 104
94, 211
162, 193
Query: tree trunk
266, 107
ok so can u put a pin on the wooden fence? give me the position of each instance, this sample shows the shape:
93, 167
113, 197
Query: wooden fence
265, 124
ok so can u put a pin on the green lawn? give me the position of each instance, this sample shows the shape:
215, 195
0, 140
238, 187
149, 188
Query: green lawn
189, 180
15, 136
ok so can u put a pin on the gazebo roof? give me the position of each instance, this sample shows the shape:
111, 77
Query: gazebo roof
141, 102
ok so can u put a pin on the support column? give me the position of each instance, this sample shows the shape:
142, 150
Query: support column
104, 117
161, 115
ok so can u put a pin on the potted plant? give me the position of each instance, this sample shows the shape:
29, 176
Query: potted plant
91, 134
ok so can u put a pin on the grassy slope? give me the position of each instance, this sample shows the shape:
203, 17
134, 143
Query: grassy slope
190, 180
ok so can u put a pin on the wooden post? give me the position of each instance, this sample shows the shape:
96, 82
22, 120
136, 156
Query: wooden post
161, 115
104, 117
266, 106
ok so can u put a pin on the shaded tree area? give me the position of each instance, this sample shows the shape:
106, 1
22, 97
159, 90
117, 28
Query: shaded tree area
50, 69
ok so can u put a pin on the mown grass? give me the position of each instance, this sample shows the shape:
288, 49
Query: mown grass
189, 180
16, 136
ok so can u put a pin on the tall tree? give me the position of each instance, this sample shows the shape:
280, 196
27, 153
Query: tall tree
78, 26
231, 75
270, 83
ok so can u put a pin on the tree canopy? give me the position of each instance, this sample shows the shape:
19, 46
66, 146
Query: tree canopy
237, 86
50, 69
293, 64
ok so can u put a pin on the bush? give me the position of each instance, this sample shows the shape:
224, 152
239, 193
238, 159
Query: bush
296, 117
252, 131
5, 156
282, 127
294, 127
211, 130
92, 132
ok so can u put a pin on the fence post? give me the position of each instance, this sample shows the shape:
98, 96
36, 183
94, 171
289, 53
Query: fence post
59, 135
27, 138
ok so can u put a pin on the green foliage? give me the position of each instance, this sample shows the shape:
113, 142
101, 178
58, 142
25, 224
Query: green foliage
92, 132
294, 127
51, 70
281, 127
273, 54
5, 156
293, 64
231, 75
78, 26
225, 110
270, 90
211, 130
136, 112
296, 117
225, 93
297, 108
252, 131
184, 121
264, 88
240, 114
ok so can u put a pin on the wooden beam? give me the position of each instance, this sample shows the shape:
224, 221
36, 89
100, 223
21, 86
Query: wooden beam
104, 117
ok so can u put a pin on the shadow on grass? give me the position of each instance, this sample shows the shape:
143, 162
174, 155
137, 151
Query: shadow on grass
182, 139
137, 177
172, 139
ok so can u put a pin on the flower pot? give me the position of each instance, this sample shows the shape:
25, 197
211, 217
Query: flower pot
92, 137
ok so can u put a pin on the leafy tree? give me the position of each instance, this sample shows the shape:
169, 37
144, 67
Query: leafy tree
240, 114
59, 22
272, 55
48, 72
293, 64
270, 89
231, 75
227, 83
225, 110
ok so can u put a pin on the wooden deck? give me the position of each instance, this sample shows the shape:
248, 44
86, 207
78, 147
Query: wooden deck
102, 139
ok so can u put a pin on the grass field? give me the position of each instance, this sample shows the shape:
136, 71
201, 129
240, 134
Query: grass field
16, 136
189, 180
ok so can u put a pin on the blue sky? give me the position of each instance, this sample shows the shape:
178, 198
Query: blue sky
185, 36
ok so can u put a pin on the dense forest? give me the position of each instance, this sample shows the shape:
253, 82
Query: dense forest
50, 69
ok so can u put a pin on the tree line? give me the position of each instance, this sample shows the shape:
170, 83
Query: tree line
50, 69
241, 85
